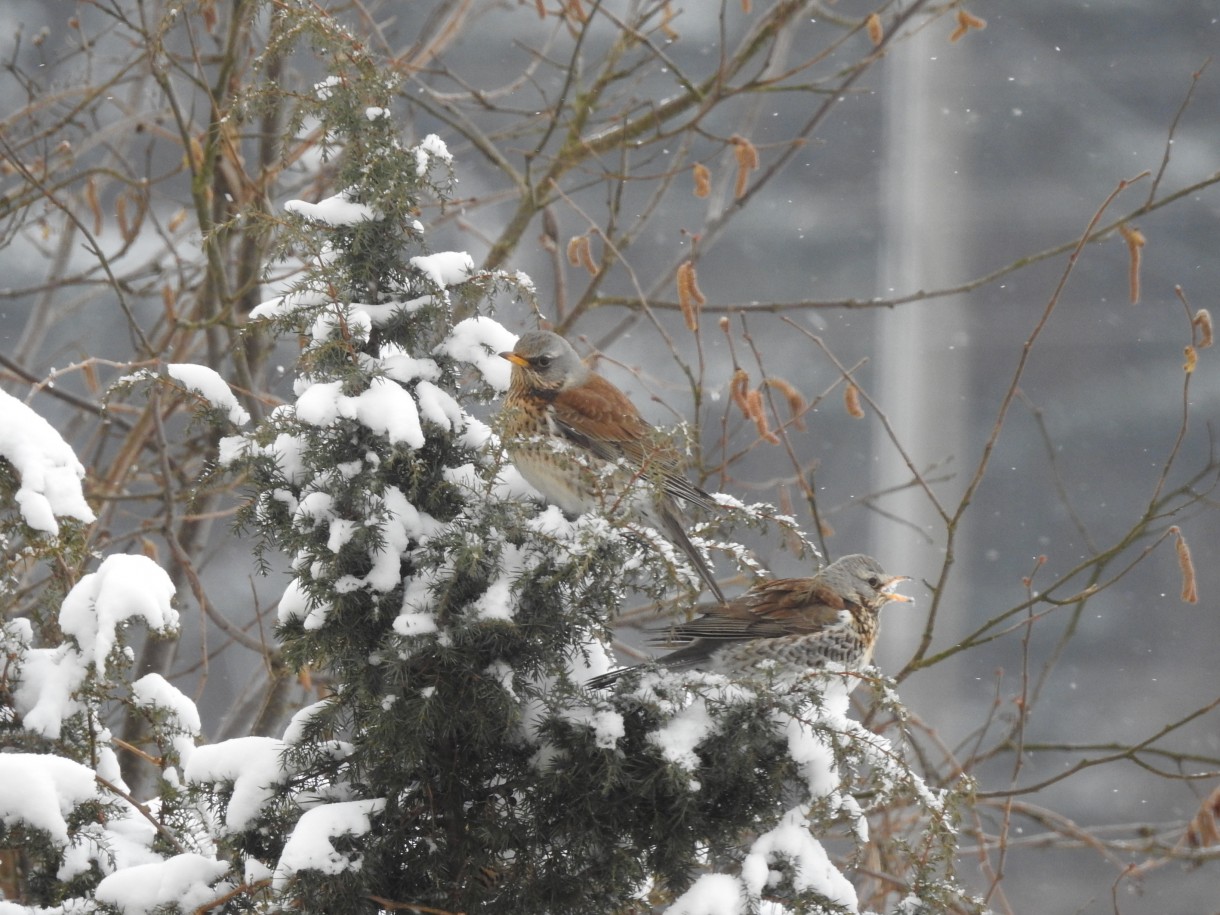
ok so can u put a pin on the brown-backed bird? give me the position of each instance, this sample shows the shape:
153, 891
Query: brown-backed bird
581, 442
795, 624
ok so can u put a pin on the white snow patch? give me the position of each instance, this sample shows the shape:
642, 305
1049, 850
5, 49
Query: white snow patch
606, 724
445, 268
679, 736
479, 342
409, 622
499, 602
232, 448
435, 146
404, 368
253, 765
711, 894
309, 847
297, 604
208, 384
289, 453
284, 305
384, 407
187, 881
792, 842
154, 691
295, 732
333, 211
325, 89
123, 588
47, 466
810, 747
40, 791
438, 406
46, 685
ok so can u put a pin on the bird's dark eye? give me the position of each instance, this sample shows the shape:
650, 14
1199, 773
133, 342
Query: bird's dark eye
544, 361
874, 582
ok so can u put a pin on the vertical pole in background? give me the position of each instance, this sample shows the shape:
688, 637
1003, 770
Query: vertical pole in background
921, 368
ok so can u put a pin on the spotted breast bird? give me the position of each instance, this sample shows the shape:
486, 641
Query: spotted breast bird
793, 624
582, 443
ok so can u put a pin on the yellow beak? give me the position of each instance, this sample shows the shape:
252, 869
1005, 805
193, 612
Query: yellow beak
891, 584
515, 359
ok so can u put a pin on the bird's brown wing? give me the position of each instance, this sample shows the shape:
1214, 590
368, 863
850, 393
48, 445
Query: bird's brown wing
783, 606
599, 417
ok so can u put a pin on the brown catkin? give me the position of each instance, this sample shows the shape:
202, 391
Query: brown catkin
875, 31
703, 179
747, 161
851, 401
1203, 321
168, 300
586, 258
120, 215
574, 244
1190, 591
689, 296
94, 206
758, 413
796, 402
1135, 241
738, 388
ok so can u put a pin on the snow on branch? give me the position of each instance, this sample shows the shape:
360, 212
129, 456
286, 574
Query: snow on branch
309, 847
124, 588
49, 471
208, 384
188, 881
479, 342
40, 790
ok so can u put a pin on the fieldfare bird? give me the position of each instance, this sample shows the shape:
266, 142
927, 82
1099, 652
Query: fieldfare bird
581, 442
799, 624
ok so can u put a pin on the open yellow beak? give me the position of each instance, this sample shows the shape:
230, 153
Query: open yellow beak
515, 359
894, 582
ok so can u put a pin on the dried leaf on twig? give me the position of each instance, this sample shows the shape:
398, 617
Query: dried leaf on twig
966, 22
1203, 830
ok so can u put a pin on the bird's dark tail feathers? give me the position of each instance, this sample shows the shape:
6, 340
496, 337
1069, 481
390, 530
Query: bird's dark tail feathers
671, 524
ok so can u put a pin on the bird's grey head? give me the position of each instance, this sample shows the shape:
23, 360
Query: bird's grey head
863, 576
548, 360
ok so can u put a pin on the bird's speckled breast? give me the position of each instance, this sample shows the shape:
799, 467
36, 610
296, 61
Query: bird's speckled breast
844, 646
